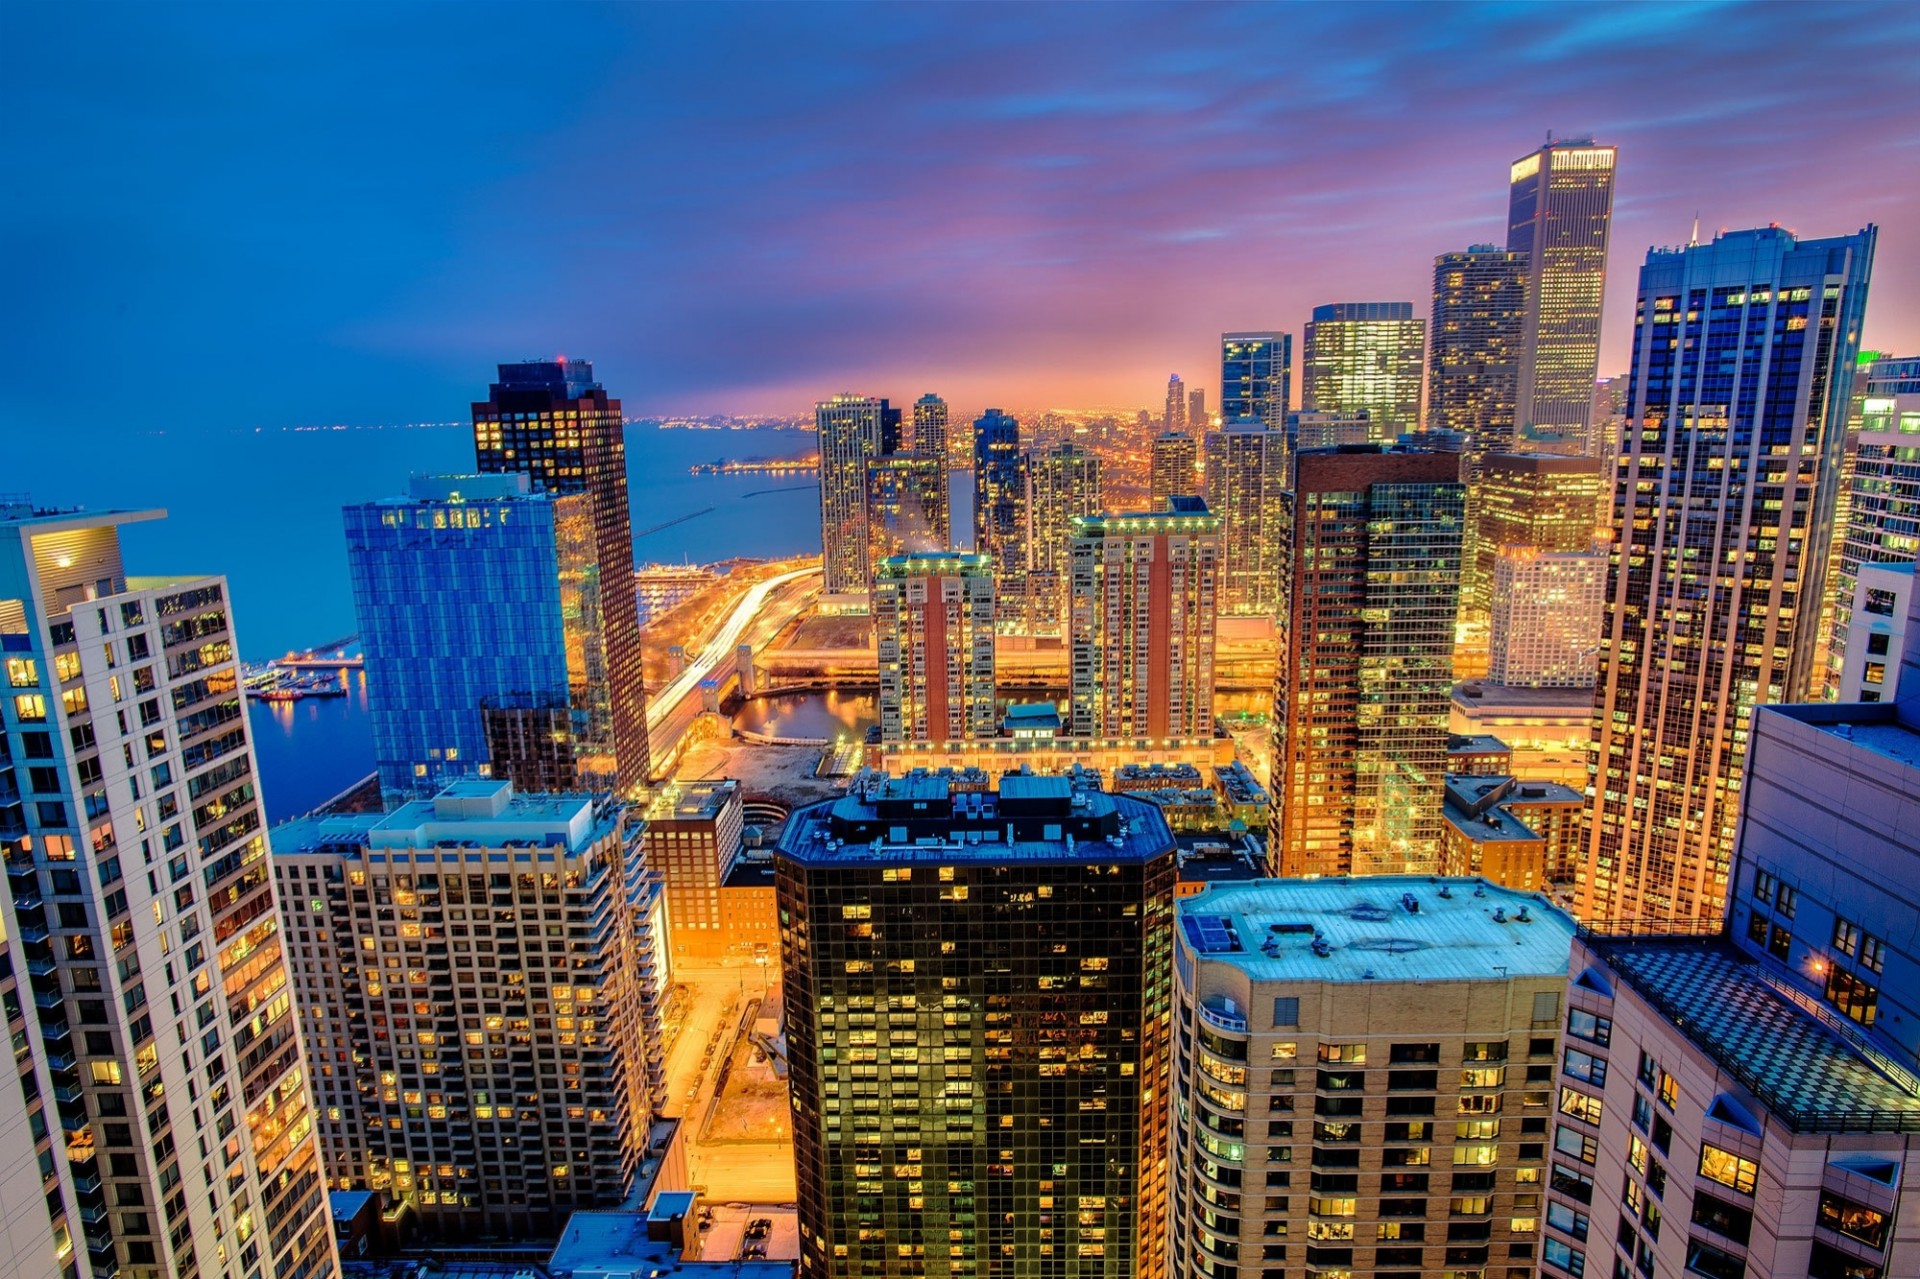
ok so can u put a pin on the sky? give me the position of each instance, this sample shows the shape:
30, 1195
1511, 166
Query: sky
225, 216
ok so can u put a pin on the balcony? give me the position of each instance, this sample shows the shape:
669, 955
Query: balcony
1223, 1014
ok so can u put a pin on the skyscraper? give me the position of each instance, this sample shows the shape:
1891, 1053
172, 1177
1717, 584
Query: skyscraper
1145, 593
497, 1088
553, 423
1473, 368
1366, 355
1743, 358
1559, 207
1173, 471
1537, 571
1246, 488
853, 430
1256, 376
999, 495
168, 1117
978, 1016
429, 570
906, 505
933, 622
1063, 482
1197, 411
930, 427
1883, 510
1175, 418
1365, 675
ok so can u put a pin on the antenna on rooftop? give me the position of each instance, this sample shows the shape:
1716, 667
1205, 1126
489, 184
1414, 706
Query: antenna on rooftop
1694, 239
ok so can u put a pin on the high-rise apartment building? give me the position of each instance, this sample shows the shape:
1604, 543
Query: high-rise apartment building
1359, 1077
1537, 575
490, 1057
694, 831
1362, 693
1544, 629
1063, 483
428, 571
1256, 376
999, 494
169, 1124
1145, 596
1197, 411
1175, 418
933, 621
978, 1009
1559, 208
553, 423
1883, 506
1876, 633
1246, 488
906, 506
1743, 363
1366, 355
1473, 366
853, 430
930, 427
1173, 470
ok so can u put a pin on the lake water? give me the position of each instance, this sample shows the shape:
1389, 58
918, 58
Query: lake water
829, 714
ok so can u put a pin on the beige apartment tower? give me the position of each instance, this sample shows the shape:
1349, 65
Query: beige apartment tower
1246, 487
1174, 469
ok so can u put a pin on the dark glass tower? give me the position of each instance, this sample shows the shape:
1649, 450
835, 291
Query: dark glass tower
550, 421
999, 493
978, 995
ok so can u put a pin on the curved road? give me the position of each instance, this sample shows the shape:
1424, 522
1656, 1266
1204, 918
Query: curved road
662, 702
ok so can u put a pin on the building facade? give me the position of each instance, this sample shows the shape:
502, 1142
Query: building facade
1743, 363
1877, 632
906, 506
930, 435
999, 495
554, 424
693, 838
978, 1011
1174, 470
1882, 524
1246, 481
1361, 1077
1365, 661
853, 430
933, 621
1544, 631
1366, 356
1473, 365
1145, 598
1559, 212
1063, 484
476, 972
1175, 417
1256, 376
168, 1120
1523, 835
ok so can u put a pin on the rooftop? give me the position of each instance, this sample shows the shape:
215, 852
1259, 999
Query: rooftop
1871, 726
693, 801
616, 1244
1799, 1068
1463, 929
479, 812
1484, 695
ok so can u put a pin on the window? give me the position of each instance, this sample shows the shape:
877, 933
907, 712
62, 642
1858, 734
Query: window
1637, 1154
1585, 1025
1780, 942
1724, 1218
1572, 1184
1705, 1259
1856, 998
1728, 1168
1284, 1052
23, 672
1573, 1142
1586, 1067
1347, 1054
1286, 1012
1878, 643
1578, 1104
1566, 1220
1546, 1007
1561, 1257
1875, 673
30, 708
1873, 952
1787, 901
1764, 886
1829, 1262
1854, 1220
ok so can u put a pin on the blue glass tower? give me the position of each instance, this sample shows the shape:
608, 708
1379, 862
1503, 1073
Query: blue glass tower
999, 492
458, 589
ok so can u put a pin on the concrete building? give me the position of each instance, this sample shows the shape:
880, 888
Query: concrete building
632, 1245
1541, 514
1197, 421
693, 839
1877, 630
160, 1122
551, 422
853, 430
1246, 482
1365, 663
1366, 356
1882, 524
933, 624
1523, 835
907, 510
930, 433
1478, 755
1314, 429
1743, 367
1145, 595
1175, 417
978, 1015
1362, 1076
1063, 484
1545, 624
1478, 330
477, 977
1174, 470
1559, 212
1256, 376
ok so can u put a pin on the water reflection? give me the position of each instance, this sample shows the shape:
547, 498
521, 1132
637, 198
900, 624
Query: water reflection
824, 714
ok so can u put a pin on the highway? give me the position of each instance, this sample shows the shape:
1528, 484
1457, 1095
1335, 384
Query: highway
664, 702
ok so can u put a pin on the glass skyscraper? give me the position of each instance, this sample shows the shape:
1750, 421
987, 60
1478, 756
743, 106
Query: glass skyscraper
1473, 368
1256, 377
906, 505
1366, 355
853, 430
1883, 507
1743, 362
999, 496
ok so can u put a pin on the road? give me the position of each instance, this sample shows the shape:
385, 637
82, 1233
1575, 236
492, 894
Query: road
748, 1171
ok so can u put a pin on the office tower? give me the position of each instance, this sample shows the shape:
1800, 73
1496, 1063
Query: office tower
1891, 375
1063, 482
1876, 633
1559, 206
1742, 367
490, 1061
460, 553
1256, 376
933, 622
1882, 524
853, 430
930, 427
978, 1011
999, 493
1609, 417
1197, 412
1246, 488
906, 505
1533, 598
1176, 414
1174, 470
1751, 1087
553, 423
1473, 368
168, 1119
1545, 622
1366, 355
693, 836
1312, 429
1358, 1077
1143, 601
1365, 673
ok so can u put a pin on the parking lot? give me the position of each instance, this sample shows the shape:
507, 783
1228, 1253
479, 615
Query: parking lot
726, 1238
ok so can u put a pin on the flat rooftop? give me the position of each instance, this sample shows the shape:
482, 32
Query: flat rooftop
693, 801
1873, 726
616, 1243
1806, 1074
1488, 697
1268, 929
479, 812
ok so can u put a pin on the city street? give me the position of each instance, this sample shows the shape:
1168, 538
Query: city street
732, 1168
